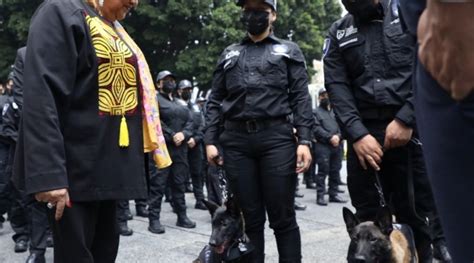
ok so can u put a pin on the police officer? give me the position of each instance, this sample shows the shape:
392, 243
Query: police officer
257, 84
195, 143
328, 150
368, 68
177, 125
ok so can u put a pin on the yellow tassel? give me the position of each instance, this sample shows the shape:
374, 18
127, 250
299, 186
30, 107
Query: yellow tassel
124, 140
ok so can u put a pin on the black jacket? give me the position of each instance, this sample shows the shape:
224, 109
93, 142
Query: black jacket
368, 70
175, 118
255, 81
325, 125
66, 139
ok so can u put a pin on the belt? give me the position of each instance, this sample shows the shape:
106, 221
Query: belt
255, 125
382, 113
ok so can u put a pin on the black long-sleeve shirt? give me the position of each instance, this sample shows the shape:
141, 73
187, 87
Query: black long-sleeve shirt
325, 125
368, 68
255, 81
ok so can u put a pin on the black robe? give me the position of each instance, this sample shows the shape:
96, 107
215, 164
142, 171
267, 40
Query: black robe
67, 138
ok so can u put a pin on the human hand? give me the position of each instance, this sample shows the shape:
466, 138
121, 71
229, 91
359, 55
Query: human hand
397, 134
303, 158
335, 140
213, 155
191, 143
58, 198
178, 138
368, 150
445, 36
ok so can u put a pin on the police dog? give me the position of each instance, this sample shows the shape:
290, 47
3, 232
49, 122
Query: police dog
379, 241
228, 242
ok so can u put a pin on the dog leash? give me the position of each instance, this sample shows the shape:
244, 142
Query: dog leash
378, 186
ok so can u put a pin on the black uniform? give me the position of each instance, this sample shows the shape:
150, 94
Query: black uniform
196, 154
368, 69
328, 157
174, 118
257, 85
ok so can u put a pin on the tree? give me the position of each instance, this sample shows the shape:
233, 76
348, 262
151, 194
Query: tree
14, 22
187, 36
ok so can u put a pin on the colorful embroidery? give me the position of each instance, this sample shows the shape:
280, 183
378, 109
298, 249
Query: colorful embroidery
118, 93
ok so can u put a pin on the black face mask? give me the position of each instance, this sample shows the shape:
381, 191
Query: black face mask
363, 10
169, 86
186, 95
255, 21
324, 103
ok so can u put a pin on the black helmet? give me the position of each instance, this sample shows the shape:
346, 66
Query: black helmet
11, 75
185, 84
163, 74
272, 3
322, 91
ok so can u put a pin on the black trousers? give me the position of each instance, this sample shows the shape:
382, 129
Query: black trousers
195, 157
39, 226
329, 160
447, 131
5, 184
176, 174
19, 216
87, 233
397, 164
260, 168
123, 207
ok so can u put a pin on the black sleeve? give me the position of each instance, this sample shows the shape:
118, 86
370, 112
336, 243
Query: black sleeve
11, 117
320, 134
49, 79
299, 98
199, 133
18, 78
188, 130
407, 113
213, 106
338, 86
168, 133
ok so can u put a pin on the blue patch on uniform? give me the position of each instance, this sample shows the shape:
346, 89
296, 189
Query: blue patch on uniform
326, 46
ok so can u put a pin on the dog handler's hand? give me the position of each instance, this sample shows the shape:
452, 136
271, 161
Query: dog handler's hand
303, 158
212, 155
58, 198
369, 150
446, 36
397, 134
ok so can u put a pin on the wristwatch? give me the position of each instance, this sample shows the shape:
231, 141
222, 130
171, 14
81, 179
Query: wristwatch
305, 142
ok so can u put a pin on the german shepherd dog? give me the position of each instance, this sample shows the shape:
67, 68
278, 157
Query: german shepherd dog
228, 242
380, 241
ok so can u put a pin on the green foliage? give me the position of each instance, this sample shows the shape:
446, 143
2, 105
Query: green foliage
186, 36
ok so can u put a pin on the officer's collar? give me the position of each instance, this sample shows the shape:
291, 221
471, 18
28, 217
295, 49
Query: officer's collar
271, 38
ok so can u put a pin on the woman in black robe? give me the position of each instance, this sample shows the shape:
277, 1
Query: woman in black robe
88, 118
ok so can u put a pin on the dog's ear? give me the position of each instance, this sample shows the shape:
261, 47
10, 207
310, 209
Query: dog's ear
384, 220
211, 206
350, 219
232, 207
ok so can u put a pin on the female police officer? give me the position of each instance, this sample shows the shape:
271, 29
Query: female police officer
257, 85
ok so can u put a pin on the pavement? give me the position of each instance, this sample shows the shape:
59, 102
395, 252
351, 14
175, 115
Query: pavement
323, 234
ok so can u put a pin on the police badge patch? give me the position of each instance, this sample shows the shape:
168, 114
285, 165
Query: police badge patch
340, 34
280, 50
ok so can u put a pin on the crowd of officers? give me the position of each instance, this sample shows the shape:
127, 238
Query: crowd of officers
368, 67
183, 127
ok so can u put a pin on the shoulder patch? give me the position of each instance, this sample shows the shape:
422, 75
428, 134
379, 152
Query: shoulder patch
232, 53
280, 50
340, 34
